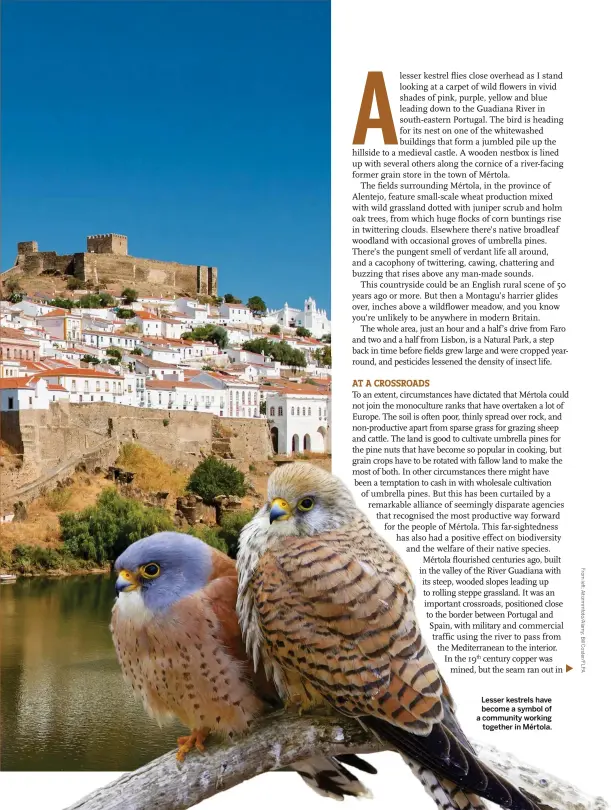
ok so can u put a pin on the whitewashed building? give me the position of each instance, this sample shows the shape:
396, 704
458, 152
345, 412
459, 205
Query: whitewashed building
148, 323
185, 395
193, 310
173, 328
105, 340
310, 317
183, 350
298, 417
86, 385
242, 397
29, 393
236, 313
62, 324
33, 308
154, 369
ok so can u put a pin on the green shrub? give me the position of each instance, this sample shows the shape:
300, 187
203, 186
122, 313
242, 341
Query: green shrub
215, 477
102, 532
215, 334
62, 303
96, 300
281, 351
232, 524
28, 559
129, 295
256, 305
209, 536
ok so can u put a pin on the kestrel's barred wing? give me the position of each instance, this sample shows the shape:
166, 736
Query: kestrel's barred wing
344, 621
349, 630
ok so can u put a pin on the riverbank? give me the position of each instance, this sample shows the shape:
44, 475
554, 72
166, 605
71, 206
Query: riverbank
56, 573
35, 561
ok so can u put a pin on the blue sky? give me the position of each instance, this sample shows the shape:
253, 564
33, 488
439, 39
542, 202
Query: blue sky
199, 129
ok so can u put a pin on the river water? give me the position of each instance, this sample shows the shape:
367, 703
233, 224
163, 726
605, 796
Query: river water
63, 702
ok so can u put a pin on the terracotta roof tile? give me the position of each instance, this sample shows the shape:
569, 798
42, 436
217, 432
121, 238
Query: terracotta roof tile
78, 372
15, 382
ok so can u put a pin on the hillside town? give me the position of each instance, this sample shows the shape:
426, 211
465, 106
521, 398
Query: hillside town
200, 354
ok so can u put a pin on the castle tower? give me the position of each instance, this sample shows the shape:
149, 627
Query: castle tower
107, 243
23, 248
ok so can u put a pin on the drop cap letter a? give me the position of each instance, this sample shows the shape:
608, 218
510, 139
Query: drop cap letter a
375, 87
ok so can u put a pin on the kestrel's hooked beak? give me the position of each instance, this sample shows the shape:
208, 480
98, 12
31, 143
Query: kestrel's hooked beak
280, 510
126, 581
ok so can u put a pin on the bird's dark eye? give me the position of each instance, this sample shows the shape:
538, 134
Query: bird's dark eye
150, 571
305, 504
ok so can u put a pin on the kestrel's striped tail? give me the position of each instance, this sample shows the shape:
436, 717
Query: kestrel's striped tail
328, 777
454, 768
445, 794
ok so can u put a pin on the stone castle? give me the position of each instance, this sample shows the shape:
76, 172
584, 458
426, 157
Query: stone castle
107, 257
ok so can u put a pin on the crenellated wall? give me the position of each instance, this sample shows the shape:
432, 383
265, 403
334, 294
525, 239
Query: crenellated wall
106, 259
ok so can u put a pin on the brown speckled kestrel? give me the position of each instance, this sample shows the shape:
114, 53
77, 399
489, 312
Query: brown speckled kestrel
328, 607
176, 633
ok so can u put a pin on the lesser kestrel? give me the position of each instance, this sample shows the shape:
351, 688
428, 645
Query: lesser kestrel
328, 607
178, 642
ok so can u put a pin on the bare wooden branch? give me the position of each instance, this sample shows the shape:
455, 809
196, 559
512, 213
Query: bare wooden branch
549, 791
276, 742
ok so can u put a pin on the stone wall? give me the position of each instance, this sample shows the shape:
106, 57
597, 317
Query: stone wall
99, 457
66, 433
10, 431
131, 270
47, 261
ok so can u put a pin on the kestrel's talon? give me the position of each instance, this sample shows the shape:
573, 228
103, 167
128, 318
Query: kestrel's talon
195, 740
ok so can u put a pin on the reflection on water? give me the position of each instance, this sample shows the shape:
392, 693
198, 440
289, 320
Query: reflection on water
63, 702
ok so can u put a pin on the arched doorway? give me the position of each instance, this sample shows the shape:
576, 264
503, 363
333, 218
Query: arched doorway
323, 438
307, 442
274, 432
295, 444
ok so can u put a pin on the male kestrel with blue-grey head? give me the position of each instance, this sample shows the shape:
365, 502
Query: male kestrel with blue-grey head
178, 642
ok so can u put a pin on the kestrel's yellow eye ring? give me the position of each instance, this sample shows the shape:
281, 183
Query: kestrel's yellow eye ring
150, 571
305, 504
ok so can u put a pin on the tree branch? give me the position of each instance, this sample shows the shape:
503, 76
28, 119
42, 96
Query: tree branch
277, 741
